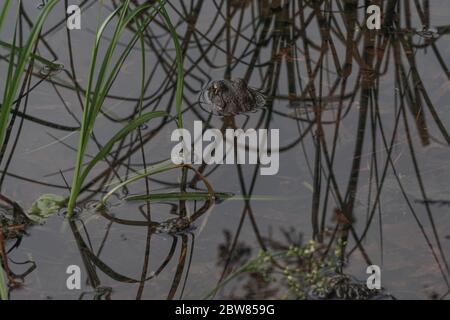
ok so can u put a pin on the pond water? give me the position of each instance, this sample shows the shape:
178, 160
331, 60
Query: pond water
363, 119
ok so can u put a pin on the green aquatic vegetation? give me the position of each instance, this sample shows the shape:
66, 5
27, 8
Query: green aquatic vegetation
4, 12
179, 62
34, 56
100, 80
155, 169
99, 87
307, 272
18, 61
161, 167
301, 268
3, 287
178, 196
311, 274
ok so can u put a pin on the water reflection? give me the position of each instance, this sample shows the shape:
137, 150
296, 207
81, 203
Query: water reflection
181, 240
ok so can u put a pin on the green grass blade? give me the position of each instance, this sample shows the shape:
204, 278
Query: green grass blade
204, 195
4, 12
113, 74
109, 52
89, 115
36, 57
132, 125
174, 196
179, 61
157, 168
3, 287
24, 57
4, 113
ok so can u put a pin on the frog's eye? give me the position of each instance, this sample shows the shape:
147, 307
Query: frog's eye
216, 88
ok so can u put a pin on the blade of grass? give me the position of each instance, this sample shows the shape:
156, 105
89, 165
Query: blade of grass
179, 196
4, 115
180, 82
158, 168
179, 61
3, 287
13, 81
220, 196
119, 136
4, 12
36, 57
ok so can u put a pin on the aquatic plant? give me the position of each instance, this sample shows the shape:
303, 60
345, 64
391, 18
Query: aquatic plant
18, 60
98, 89
301, 267
3, 288
305, 272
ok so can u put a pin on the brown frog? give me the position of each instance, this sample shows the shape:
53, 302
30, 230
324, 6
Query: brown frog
231, 97
174, 226
341, 286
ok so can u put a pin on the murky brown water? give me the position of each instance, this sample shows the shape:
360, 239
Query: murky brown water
399, 202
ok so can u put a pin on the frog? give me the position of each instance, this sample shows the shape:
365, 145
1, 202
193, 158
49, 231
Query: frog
14, 222
231, 97
44, 207
340, 286
174, 225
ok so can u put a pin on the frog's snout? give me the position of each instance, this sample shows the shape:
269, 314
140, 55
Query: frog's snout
215, 88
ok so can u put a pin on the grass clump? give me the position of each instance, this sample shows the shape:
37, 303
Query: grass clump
99, 86
18, 60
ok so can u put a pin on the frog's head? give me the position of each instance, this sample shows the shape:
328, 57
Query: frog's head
217, 88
